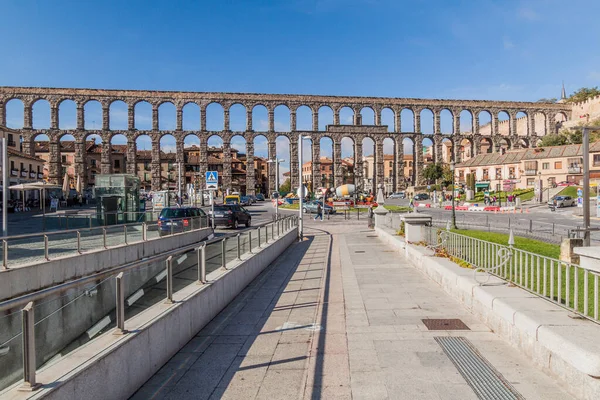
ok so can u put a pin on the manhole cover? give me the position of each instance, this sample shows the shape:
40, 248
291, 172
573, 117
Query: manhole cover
359, 251
445, 325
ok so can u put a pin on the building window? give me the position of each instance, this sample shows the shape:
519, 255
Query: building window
63, 159
511, 173
391, 164
117, 163
530, 181
498, 173
12, 165
558, 165
93, 162
546, 165
596, 160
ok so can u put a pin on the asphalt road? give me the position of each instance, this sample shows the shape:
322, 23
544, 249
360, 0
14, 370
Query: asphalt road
539, 222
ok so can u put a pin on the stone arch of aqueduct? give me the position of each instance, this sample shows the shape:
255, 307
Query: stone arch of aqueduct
538, 117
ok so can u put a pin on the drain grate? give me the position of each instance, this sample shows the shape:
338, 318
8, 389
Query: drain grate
359, 251
485, 380
445, 325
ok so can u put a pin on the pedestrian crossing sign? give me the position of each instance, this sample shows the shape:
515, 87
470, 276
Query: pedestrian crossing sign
212, 180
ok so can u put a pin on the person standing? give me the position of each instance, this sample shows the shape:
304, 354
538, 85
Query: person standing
319, 212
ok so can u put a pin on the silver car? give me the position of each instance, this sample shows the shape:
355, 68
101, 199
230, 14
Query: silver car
562, 201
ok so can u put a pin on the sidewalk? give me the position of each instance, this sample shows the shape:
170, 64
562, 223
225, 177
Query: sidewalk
338, 316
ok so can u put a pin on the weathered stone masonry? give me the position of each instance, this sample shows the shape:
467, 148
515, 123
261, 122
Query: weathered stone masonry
357, 132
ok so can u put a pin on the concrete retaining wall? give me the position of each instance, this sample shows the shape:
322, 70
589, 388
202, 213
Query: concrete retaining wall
561, 345
21, 280
114, 367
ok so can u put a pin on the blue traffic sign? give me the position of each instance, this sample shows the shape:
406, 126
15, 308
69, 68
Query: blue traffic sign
212, 180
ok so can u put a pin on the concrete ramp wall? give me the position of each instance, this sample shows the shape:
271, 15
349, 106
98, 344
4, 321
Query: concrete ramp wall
22, 280
114, 366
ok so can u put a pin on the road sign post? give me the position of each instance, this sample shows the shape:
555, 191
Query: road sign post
212, 183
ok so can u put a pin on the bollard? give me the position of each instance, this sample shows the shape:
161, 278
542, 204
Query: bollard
46, 250
67, 222
125, 232
172, 228
120, 305
169, 263
29, 363
104, 236
239, 247
272, 231
202, 263
90, 219
278, 223
530, 225
144, 229
78, 242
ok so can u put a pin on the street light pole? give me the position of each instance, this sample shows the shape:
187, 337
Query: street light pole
452, 166
586, 182
301, 187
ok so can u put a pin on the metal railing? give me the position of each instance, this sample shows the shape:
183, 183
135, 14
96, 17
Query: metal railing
41, 247
566, 284
118, 297
60, 221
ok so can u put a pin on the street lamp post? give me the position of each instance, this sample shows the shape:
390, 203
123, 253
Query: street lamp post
452, 166
276, 162
301, 187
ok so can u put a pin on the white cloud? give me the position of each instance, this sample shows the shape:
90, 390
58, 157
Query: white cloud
507, 43
528, 13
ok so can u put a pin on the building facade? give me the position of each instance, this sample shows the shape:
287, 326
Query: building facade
521, 169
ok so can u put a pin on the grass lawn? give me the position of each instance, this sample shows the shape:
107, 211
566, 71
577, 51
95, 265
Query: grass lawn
290, 206
524, 196
546, 276
572, 191
530, 245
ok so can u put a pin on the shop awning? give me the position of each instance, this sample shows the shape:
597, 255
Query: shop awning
482, 185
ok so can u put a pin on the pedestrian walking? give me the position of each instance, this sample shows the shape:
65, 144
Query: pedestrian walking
319, 212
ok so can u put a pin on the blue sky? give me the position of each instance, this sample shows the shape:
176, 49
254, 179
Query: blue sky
462, 49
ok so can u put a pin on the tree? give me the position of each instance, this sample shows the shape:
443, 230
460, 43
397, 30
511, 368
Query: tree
285, 187
583, 94
570, 136
433, 172
553, 140
447, 175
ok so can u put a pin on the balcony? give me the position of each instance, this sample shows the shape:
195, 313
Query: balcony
11, 143
32, 175
24, 174
40, 176
530, 172
14, 172
574, 170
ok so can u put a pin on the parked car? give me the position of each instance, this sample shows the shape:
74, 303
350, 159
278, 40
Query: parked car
231, 215
421, 196
311, 207
252, 198
399, 195
562, 201
180, 219
260, 197
245, 201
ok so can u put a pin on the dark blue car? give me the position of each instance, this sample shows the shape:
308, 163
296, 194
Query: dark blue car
180, 219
